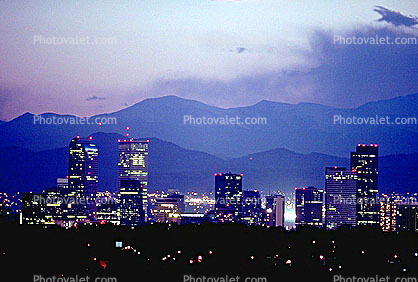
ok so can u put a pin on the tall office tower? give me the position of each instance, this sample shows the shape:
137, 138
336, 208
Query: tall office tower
275, 206
228, 197
133, 181
365, 162
83, 178
388, 213
252, 213
407, 219
309, 202
340, 200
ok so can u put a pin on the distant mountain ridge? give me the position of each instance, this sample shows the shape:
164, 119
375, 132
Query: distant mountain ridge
171, 166
301, 128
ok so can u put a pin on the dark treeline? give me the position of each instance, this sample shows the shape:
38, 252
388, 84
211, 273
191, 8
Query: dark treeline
230, 249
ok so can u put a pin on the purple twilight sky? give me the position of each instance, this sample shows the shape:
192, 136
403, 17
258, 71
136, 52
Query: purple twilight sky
223, 53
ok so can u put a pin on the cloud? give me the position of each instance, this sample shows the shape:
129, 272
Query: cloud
240, 50
395, 18
94, 97
342, 75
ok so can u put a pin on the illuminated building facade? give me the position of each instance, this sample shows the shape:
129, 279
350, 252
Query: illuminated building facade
275, 207
133, 181
388, 213
407, 218
309, 202
340, 200
82, 179
108, 213
365, 162
252, 213
62, 183
166, 210
34, 209
228, 197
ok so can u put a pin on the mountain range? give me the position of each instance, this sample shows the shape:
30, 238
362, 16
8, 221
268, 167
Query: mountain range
302, 128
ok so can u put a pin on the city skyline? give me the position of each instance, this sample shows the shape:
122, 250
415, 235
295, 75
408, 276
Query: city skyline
347, 197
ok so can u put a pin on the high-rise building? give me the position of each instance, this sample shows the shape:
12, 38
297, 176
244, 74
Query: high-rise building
340, 200
388, 213
252, 213
83, 178
275, 207
309, 202
228, 197
407, 218
133, 181
365, 162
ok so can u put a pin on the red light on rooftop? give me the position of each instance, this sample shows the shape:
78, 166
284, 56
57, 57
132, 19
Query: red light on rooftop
220, 174
66, 176
335, 166
103, 222
363, 145
78, 136
147, 140
215, 174
90, 137
100, 124
127, 128
354, 170
242, 174
127, 134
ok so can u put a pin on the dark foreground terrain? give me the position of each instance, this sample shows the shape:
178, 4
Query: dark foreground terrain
205, 253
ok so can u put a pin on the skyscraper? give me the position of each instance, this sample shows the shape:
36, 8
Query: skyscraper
83, 177
133, 181
340, 200
252, 213
275, 206
407, 219
309, 201
365, 162
228, 197
388, 213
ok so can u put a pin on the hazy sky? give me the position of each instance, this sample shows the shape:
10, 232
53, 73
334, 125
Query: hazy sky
224, 53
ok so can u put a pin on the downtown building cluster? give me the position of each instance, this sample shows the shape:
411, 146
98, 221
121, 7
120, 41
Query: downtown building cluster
350, 198
75, 199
